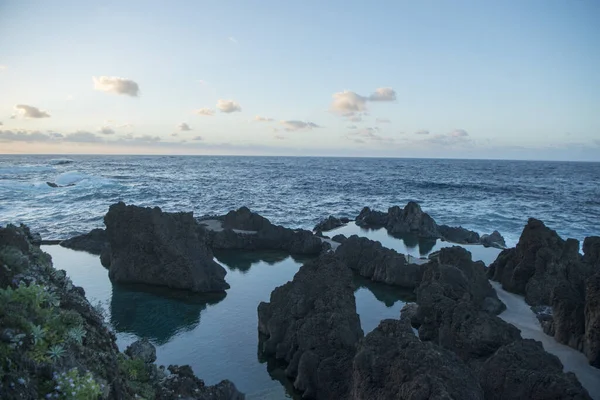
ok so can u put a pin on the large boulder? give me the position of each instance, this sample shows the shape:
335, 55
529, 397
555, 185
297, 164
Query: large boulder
93, 242
592, 320
154, 247
183, 384
411, 220
522, 370
458, 234
495, 239
539, 262
457, 307
392, 363
244, 230
311, 324
371, 218
328, 224
371, 260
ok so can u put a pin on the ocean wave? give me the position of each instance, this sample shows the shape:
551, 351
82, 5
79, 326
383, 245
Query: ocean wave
24, 169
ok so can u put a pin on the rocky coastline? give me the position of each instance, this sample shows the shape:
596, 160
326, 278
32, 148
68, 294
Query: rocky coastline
450, 343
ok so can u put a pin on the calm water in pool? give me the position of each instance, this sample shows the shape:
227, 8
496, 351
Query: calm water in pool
218, 336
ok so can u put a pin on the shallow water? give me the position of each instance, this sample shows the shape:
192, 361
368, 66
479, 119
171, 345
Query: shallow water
217, 336
298, 192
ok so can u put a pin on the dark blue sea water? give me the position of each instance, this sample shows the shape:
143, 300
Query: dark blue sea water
297, 192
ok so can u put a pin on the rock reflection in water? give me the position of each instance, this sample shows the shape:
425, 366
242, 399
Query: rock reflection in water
157, 313
242, 260
386, 294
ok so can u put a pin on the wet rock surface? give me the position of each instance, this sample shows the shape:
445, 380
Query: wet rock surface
158, 248
495, 239
245, 230
371, 260
458, 234
93, 242
311, 324
328, 224
392, 363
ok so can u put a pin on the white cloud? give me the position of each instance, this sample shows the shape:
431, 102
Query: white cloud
113, 84
175, 134
106, 130
279, 137
202, 82
292, 126
263, 119
352, 127
233, 40
356, 119
83, 137
123, 126
184, 127
147, 139
459, 133
368, 134
24, 136
228, 106
198, 138
347, 103
30, 111
69, 97
422, 132
382, 121
383, 94
3, 67
1, 123
205, 111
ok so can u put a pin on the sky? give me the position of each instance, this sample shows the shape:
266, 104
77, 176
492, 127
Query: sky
445, 78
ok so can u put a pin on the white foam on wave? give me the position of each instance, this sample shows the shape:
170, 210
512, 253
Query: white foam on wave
79, 179
520, 315
18, 170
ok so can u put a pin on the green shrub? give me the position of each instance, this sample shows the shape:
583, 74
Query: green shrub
72, 385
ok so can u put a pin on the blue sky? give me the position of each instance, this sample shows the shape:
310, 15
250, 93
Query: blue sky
467, 79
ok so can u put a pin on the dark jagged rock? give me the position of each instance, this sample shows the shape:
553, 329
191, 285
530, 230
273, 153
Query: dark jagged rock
411, 220
549, 271
142, 350
494, 239
458, 234
522, 370
371, 260
339, 238
392, 363
93, 242
591, 251
52, 184
158, 248
311, 323
457, 306
328, 224
245, 230
409, 312
592, 320
183, 384
371, 218
539, 262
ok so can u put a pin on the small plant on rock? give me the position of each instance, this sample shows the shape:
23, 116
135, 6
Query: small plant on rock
56, 352
37, 334
76, 334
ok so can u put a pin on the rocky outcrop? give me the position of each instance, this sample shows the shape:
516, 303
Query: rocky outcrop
330, 223
380, 264
458, 234
522, 370
392, 363
411, 220
495, 239
311, 324
537, 264
550, 273
51, 336
371, 218
457, 307
153, 247
339, 238
592, 320
93, 242
244, 230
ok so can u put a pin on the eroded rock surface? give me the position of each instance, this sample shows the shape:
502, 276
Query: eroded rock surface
93, 242
311, 323
154, 247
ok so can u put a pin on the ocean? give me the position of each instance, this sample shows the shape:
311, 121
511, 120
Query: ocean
297, 192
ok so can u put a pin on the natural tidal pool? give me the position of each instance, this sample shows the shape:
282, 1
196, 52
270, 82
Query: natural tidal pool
411, 245
216, 335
